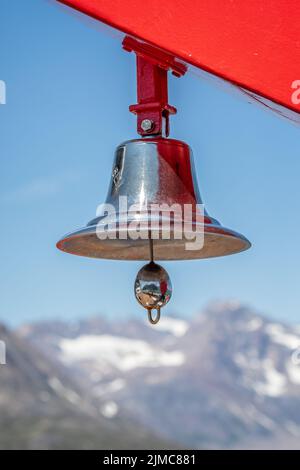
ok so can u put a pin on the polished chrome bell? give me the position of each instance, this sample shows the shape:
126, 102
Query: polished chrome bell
153, 210
152, 171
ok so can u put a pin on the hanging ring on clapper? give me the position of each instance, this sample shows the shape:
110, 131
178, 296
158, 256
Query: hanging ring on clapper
150, 317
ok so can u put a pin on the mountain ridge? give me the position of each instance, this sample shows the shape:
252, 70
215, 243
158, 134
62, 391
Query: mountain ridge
42, 407
220, 379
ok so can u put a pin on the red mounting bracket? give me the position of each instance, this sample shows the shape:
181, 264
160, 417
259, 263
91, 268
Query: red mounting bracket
152, 64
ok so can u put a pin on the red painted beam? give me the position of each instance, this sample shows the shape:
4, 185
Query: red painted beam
252, 44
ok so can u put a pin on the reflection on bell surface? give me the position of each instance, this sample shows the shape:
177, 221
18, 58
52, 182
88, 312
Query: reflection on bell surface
152, 288
149, 171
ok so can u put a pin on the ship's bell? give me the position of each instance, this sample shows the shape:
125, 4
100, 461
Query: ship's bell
152, 172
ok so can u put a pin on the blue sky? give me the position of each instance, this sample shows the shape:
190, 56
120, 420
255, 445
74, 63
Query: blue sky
69, 85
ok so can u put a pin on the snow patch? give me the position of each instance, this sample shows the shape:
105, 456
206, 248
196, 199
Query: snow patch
122, 353
275, 382
264, 420
280, 336
64, 392
271, 382
173, 325
109, 409
110, 387
293, 372
254, 324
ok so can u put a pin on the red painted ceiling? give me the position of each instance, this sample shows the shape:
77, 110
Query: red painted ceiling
252, 44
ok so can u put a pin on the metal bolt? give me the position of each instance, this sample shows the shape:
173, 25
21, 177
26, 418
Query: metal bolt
147, 125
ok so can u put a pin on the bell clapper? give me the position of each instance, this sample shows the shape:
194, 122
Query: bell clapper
152, 288
152, 320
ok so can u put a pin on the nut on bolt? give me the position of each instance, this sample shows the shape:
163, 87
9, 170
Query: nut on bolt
147, 125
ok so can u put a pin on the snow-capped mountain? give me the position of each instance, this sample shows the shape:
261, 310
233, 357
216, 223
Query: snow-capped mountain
226, 378
42, 407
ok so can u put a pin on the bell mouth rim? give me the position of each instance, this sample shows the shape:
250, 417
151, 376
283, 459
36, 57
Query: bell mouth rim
77, 242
